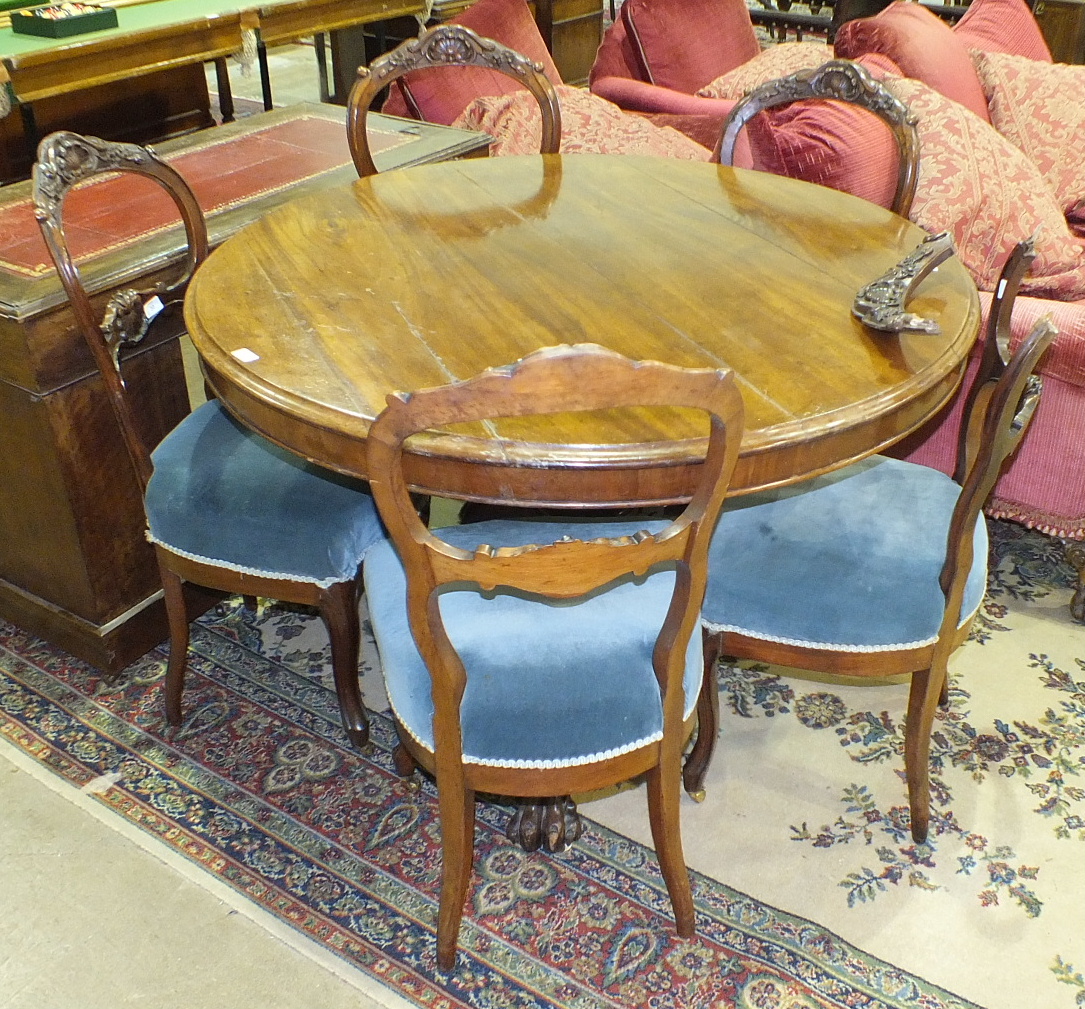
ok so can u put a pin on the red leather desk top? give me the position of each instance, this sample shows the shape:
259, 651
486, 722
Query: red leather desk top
117, 211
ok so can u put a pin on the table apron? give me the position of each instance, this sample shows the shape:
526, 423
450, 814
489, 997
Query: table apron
764, 462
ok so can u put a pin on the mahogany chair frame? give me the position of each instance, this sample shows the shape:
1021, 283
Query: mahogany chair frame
837, 80
1001, 402
447, 45
64, 160
553, 380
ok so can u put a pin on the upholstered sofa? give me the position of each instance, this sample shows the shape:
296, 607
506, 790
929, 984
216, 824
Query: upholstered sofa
996, 63
476, 98
658, 53
1002, 131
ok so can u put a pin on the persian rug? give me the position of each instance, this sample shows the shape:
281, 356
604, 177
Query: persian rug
809, 891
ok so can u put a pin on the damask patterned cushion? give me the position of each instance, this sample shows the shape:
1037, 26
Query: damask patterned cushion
1002, 26
686, 43
975, 184
776, 61
1041, 108
589, 125
922, 45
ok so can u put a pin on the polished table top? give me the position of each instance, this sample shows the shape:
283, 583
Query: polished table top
307, 319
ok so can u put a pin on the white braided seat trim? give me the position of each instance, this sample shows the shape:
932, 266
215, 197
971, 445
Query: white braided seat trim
321, 583
591, 758
828, 646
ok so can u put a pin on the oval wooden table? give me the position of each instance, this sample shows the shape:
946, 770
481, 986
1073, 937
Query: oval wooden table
308, 318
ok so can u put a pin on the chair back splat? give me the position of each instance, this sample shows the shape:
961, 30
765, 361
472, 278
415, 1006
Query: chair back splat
447, 45
541, 658
877, 569
837, 80
65, 160
225, 508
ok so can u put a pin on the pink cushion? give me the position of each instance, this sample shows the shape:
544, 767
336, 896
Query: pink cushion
616, 56
835, 144
639, 96
705, 130
442, 94
1003, 26
975, 184
922, 45
776, 61
589, 125
1041, 108
684, 44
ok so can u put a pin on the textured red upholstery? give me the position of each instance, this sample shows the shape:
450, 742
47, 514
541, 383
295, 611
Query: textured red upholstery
440, 95
616, 57
641, 97
589, 125
834, 144
684, 44
922, 45
1003, 26
1044, 484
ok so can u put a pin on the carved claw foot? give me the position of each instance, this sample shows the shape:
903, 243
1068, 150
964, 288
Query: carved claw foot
552, 824
1075, 557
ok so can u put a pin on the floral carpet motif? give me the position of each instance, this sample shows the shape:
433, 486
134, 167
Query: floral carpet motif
260, 788
1043, 756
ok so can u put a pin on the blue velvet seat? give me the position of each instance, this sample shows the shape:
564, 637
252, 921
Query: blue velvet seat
223, 495
874, 570
855, 559
541, 657
226, 509
592, 654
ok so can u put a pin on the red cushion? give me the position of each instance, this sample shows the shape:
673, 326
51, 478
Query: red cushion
684, 44
835, 144
616, 56
440, 95
922, 45
589, 125
975, 184
1003, 26
777, 61
1040, 107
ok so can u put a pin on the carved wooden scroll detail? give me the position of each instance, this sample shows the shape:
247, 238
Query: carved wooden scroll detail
447, 45
67, 159
452, 45
836, 80
882, 304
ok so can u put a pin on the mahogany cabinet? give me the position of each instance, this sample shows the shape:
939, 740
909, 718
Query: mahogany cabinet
75, 567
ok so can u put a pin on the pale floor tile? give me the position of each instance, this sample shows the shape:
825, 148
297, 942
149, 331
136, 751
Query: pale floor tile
90, 920
294, 76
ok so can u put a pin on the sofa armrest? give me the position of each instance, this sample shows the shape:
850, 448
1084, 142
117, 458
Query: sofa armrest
1065, 359
637, 96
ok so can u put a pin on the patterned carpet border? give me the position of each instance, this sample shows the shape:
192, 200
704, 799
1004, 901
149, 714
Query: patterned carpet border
259, 789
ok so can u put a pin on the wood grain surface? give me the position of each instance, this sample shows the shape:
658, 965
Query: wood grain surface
308, 318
